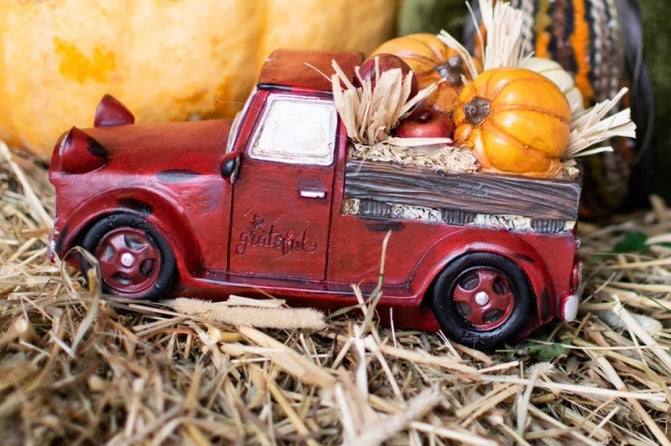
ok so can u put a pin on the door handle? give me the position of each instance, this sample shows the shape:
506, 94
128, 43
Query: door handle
307, 193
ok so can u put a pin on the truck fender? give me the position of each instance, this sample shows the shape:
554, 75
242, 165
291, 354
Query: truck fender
160, 210
503, 243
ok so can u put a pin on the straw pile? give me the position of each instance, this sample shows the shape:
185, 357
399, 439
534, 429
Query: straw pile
441, 158
78, 368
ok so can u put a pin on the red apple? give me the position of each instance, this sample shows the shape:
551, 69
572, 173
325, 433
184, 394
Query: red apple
386, 62
426, 123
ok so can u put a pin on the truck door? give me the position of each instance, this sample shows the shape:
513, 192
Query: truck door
282, 198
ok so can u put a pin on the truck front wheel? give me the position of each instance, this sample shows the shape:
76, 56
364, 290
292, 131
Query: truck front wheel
135, 261
481, 300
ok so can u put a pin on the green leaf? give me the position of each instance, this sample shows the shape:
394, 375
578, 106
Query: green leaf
541, 352
547, 352
634, 241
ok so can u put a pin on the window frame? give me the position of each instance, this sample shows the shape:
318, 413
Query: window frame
237, 122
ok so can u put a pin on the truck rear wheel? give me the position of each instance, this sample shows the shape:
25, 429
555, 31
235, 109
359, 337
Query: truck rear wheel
135, 261
481, 300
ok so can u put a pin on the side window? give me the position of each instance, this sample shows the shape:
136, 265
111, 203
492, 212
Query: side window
296, 131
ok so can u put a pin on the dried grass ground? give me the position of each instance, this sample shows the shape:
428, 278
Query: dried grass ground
80, 369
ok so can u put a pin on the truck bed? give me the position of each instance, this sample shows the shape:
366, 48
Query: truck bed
545, 205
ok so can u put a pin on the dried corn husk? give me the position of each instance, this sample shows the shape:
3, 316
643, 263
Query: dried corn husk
370, 114
504, 45
595, 125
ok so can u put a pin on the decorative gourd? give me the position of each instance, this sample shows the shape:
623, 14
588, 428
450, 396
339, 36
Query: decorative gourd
165, 60
562, 78
431, 61
515, 120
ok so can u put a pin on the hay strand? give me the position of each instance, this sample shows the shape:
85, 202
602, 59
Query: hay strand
251, 313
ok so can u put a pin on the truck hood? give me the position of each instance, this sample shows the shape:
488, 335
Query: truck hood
144, 148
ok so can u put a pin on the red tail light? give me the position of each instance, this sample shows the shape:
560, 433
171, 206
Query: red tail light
110, 112
80, 153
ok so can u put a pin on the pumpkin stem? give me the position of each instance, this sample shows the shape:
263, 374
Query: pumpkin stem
452, 71
477, 110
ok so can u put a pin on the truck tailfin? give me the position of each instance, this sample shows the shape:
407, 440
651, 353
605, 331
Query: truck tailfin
111, 112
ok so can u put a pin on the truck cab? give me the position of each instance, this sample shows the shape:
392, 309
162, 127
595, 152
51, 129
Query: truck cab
272, 203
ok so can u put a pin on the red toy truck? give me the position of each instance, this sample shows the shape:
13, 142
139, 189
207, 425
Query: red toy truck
270, 203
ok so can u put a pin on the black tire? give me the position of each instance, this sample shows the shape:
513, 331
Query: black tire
151, 271
511, 291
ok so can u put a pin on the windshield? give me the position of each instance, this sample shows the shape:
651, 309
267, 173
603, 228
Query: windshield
235, 126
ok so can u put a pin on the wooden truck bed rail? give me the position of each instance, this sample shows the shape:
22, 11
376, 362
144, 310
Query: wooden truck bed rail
546, 204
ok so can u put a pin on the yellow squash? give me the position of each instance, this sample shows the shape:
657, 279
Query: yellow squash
164, 59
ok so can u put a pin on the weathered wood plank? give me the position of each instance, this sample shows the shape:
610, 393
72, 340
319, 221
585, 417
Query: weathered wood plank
480, 193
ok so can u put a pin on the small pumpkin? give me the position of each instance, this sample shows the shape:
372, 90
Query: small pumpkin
515, 120
431, 61
165, 60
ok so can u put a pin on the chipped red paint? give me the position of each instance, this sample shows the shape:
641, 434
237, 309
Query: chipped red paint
259, 234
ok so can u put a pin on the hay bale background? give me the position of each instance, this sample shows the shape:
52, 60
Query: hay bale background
78, 368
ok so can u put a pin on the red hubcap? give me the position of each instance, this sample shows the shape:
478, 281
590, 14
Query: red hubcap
129, 261
484, 298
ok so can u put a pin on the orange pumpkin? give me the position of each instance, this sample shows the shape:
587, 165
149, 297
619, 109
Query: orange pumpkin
515, 120
431, 61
